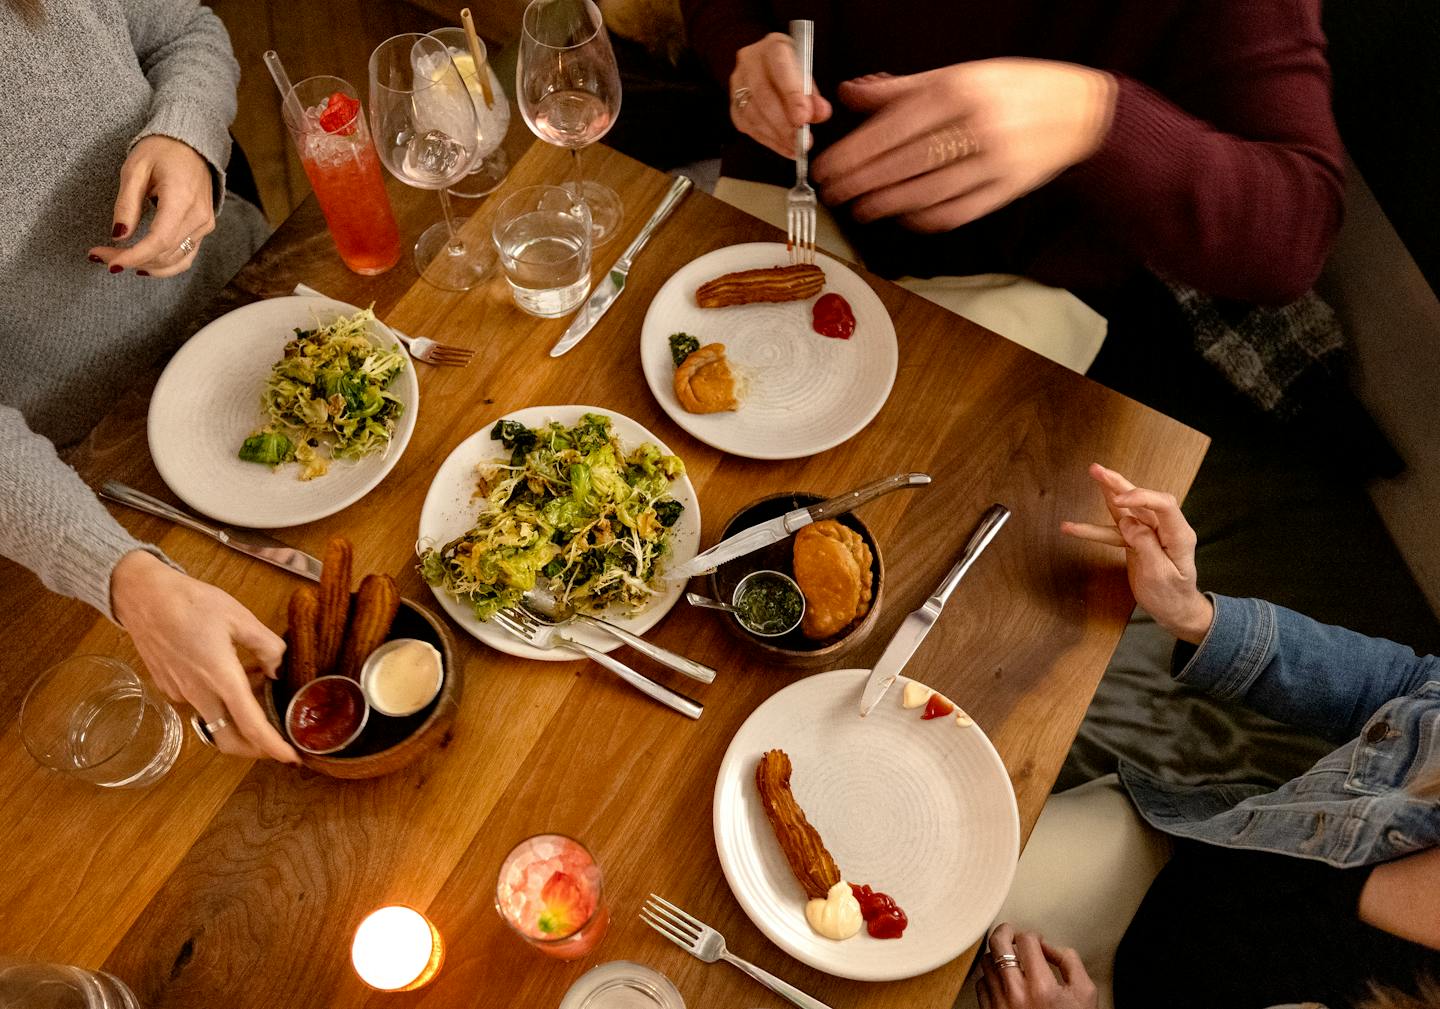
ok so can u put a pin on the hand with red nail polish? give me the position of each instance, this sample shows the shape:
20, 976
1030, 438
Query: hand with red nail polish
178, 180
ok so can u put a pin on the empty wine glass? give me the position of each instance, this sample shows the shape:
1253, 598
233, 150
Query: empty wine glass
424, 127
568, 89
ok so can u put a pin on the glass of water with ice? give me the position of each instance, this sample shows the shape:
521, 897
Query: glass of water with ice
543, 235
93, 718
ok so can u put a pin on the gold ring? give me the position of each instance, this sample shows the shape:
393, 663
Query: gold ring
741, 98
950, 144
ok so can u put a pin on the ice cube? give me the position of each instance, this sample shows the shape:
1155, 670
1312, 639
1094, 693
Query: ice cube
434, 156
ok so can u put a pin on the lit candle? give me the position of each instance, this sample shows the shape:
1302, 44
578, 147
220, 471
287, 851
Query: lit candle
397, 949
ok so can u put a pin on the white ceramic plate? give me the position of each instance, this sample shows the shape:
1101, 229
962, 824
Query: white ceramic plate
804, 393
207, 403
450, 509
921, 810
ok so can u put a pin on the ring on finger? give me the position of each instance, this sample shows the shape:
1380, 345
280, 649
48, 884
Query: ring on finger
204, 731
187, 246
1004, 960
740, 98
951, 143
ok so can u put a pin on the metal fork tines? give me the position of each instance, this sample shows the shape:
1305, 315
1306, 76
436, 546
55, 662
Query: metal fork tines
800, 201
421, 348
664, 656
704, 943
548, 636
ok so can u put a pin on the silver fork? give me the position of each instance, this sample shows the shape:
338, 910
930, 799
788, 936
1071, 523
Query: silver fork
548, 636
704, 943
800, 201
664, 656
421, 348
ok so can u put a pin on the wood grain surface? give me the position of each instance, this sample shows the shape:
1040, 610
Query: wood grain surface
241, 885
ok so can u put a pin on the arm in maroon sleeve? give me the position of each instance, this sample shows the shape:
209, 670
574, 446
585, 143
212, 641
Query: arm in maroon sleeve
1241, 196
717, 29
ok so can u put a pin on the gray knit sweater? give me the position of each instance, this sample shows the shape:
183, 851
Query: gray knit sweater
76, 91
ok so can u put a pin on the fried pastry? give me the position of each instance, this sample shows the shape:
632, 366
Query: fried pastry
776, 283
828, 575
704, 382
860, 550
812, 864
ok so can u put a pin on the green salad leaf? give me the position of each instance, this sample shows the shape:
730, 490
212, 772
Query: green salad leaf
328, 392
570, 505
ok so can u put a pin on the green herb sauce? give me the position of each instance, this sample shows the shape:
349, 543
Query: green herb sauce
769, 604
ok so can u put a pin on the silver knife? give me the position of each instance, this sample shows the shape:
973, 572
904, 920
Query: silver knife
915, 626
246, 541
609, 289
774, 530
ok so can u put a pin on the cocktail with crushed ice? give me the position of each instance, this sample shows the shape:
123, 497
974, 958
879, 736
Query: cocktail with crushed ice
549, 891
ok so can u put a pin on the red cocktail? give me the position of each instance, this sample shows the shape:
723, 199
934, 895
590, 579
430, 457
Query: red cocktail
549, 891
334, 146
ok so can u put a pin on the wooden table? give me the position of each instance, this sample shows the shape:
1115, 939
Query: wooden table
236, 884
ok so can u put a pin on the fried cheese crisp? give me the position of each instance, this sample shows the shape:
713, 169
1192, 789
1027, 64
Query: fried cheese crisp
812, 864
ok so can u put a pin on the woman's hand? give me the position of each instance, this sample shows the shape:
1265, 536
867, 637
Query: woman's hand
767, 95
186, 632
1159, 553
947, 146
1016, 974
179, 181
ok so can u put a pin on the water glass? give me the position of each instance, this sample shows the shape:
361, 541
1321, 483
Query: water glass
550, 893
622, 984
25, 984
94, 719
543, 236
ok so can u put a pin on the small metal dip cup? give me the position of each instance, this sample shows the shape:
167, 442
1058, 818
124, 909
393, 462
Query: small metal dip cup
740, 591
367, 674
349, 685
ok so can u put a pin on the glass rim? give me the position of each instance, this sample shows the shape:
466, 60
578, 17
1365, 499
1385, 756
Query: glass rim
597, 23
295, 90
599, 890
375, 82
48, 674
484, 49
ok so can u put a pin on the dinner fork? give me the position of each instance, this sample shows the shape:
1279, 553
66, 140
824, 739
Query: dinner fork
421, 348
800, 200
704, 943
559, 618
548, 636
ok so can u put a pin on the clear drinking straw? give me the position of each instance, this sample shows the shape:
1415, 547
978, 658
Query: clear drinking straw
287, 91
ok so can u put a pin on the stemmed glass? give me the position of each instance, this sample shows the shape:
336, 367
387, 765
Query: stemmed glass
568, 89
492, 117
425, 129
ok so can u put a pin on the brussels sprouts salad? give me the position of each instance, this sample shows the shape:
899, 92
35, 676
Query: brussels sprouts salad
327, 398
569, 505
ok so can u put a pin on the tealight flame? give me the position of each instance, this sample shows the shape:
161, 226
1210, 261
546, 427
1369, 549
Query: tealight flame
396, 948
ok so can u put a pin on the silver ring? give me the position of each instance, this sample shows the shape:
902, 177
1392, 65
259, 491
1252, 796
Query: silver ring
741, 98
1001, 965
1002, 960
187, 247
220, 723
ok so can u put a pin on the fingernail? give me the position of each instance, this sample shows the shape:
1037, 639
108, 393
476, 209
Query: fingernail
141, 273
117, 269
95, 259
119, 230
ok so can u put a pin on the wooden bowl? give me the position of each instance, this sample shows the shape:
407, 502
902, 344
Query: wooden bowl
795, 648
387, 744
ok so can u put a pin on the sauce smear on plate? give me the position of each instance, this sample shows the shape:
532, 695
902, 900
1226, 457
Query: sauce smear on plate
883, 917
832, 317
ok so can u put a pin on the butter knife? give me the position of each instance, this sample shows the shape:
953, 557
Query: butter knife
915, 626
774, 530
610, 288
246, 541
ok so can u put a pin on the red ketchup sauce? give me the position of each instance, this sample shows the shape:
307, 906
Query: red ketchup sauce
883, 917
832, 317
326, 715
937, 706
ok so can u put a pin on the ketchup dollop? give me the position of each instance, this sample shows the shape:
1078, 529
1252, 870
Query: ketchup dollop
327, 714
832, 317
883, 917
937, 706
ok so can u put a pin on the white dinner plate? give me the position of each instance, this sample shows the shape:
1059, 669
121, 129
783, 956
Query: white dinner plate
451, 506
920, 810
803, 392
207, 402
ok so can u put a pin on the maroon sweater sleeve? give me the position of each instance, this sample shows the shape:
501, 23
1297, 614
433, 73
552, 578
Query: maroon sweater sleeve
1241, 196
716, 29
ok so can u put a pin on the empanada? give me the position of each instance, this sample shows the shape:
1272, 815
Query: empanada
704, 382
827, 574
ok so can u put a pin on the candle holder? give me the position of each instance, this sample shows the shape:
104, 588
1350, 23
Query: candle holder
397, 948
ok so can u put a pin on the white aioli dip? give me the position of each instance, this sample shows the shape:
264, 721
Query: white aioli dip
404, 679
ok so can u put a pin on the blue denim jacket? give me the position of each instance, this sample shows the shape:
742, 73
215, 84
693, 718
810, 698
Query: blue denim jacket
1350, 809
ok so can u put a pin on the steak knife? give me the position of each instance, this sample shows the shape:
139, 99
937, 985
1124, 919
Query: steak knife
246, 541
610, 288
774, 530
915, 626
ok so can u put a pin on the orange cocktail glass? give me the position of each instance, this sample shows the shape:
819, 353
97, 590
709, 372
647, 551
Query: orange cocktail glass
334, 146
549, 891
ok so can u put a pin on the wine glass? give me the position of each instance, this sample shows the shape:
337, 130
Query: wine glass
424, 127
568, 89
492, 115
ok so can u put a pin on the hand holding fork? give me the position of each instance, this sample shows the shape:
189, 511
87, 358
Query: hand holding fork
800, 202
